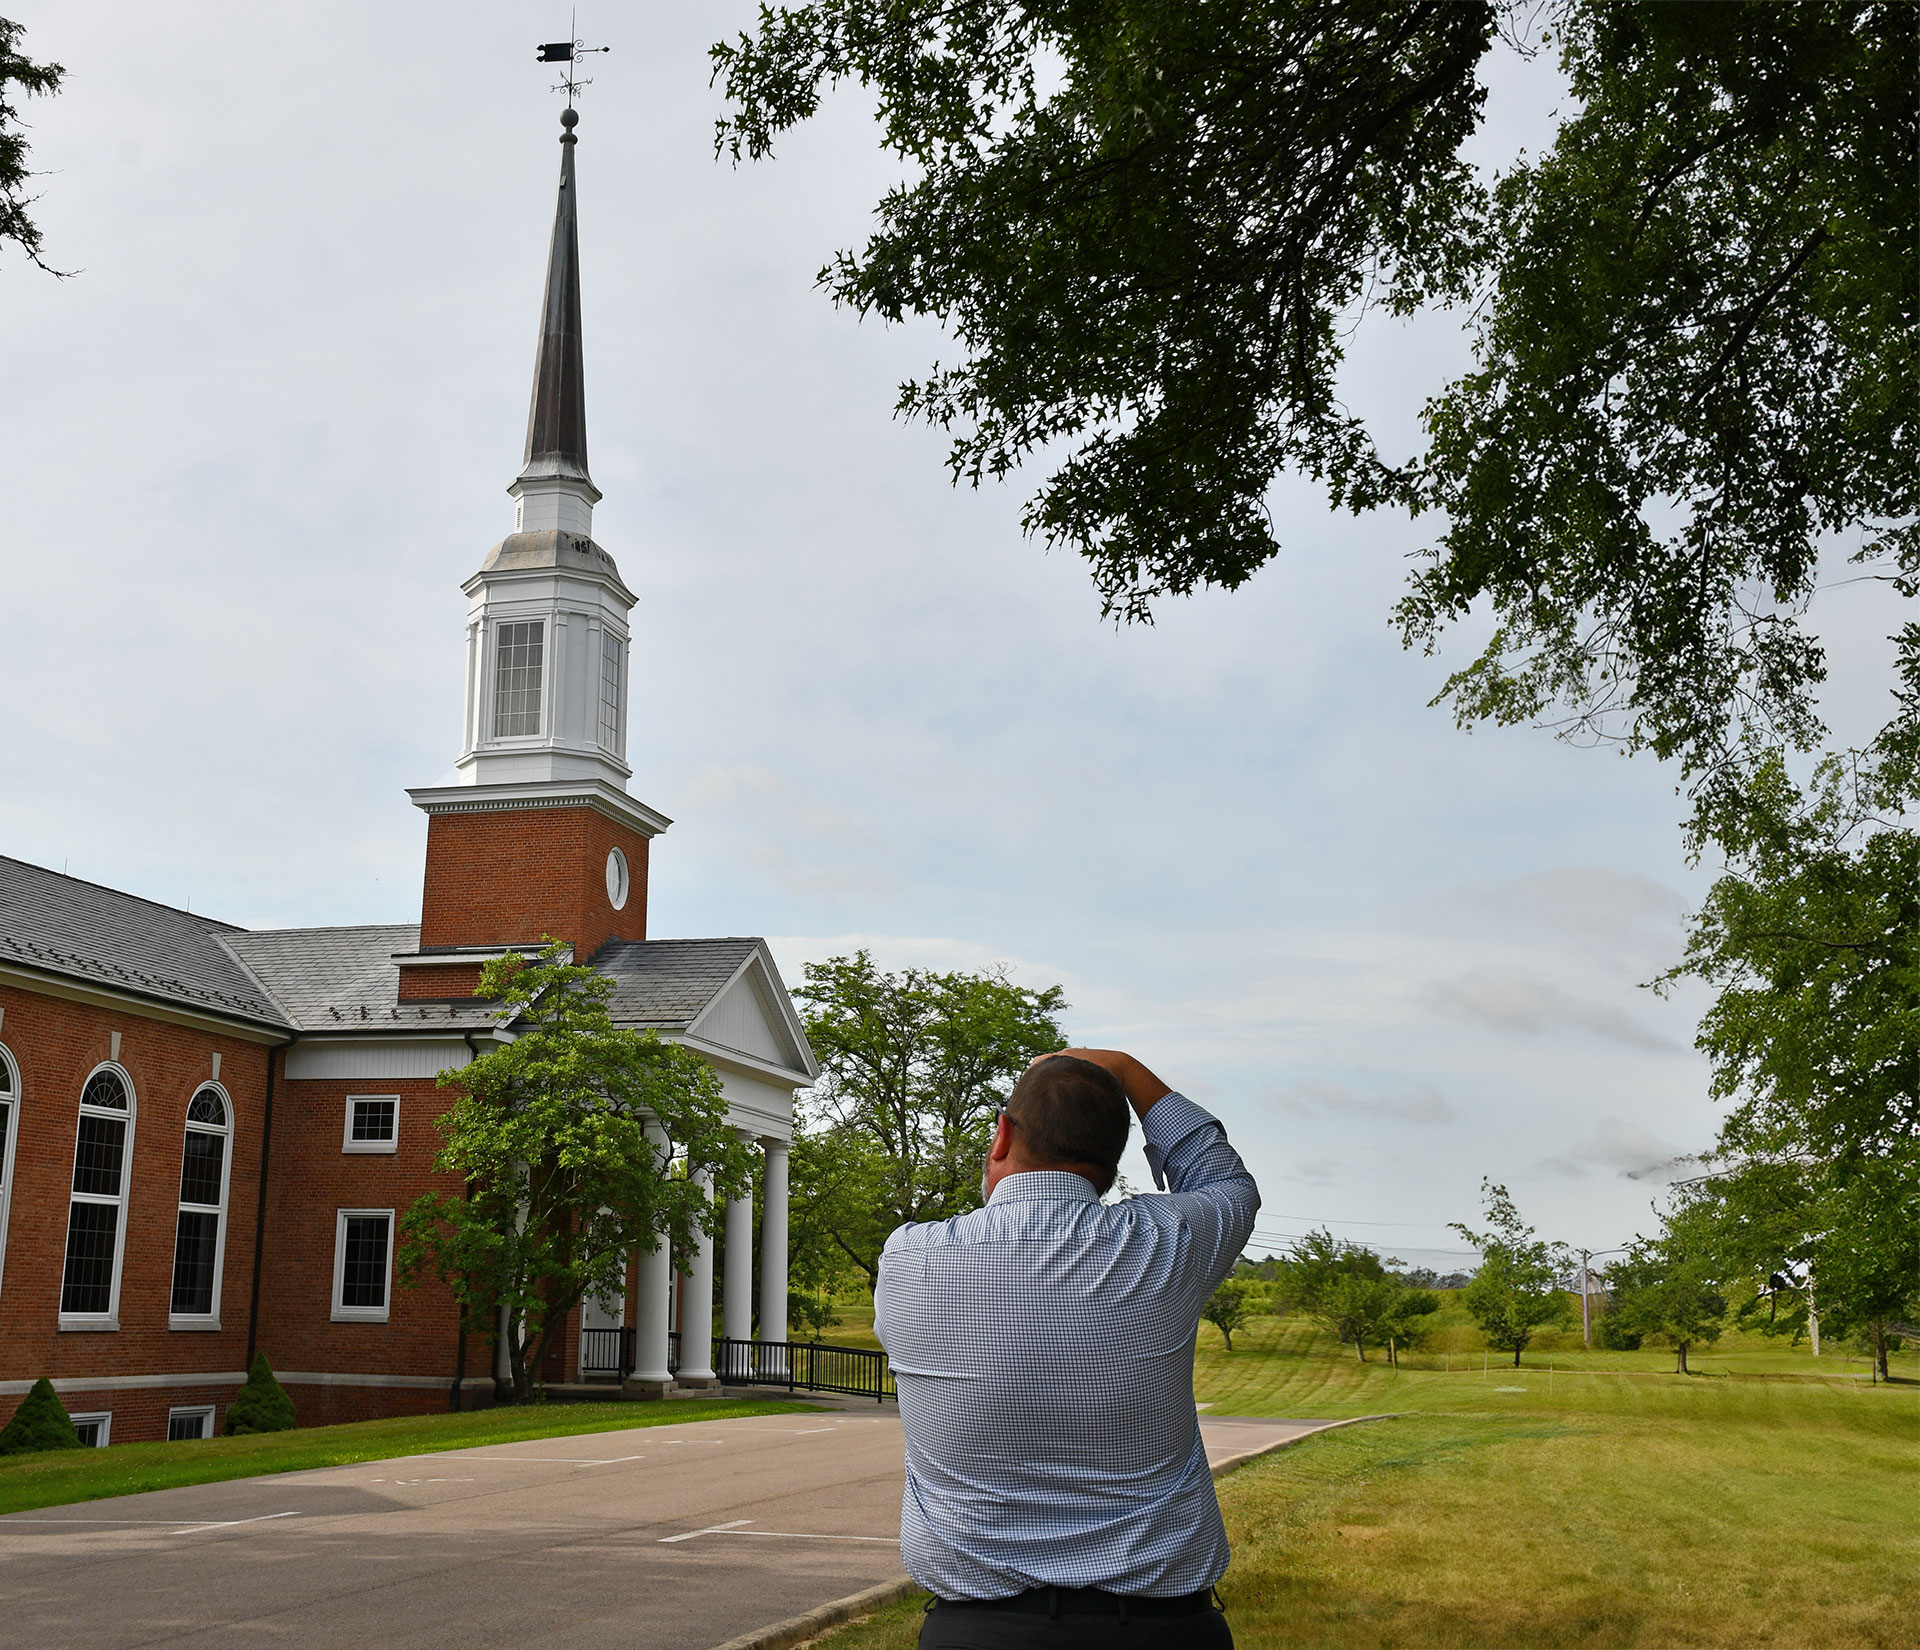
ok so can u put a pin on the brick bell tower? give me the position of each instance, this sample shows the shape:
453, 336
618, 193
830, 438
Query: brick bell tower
538, 834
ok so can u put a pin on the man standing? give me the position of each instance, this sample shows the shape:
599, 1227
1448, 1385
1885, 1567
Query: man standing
1057, 1489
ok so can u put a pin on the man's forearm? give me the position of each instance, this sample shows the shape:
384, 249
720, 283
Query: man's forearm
1142, 1087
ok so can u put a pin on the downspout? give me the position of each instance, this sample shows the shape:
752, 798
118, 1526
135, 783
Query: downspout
260, 1214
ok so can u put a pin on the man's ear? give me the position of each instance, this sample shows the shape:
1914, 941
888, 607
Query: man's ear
1002, 1139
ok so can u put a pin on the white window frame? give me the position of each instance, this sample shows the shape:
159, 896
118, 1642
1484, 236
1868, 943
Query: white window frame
208, 1320
103, 1416
545, 620
182, 1412
349, 1144
110, 1319
9, 1140
359, 1314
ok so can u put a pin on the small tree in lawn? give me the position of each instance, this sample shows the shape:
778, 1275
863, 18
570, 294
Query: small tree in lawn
1516, 1291
1347, 1289
1230, 1305
550, 1136
1661, 1287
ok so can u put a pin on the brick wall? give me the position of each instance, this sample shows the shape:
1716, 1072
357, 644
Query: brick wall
508, 877
453, 982
56, 1044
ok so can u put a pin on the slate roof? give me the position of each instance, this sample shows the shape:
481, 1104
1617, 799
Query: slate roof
667, 983
62, 925
345, 979
306, 979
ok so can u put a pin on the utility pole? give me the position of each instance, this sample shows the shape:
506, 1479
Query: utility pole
1813, 1312
1586, 1311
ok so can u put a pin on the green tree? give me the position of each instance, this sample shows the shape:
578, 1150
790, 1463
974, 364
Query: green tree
1814, 947
914, 1068
1516, 1290
40, 1423
1233, 1301
35, 80
1347, 1289
563, 1141
1666, 1286
261, 1404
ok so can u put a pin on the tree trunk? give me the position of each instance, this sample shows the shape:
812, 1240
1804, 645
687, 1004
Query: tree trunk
1681, 1348
1880, 1347
1360, 1347
1516, 1357
1227, 1336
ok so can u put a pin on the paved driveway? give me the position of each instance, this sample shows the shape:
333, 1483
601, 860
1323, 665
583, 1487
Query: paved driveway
666, 1538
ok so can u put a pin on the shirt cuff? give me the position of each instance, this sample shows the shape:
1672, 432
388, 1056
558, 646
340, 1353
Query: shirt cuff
1169, 1121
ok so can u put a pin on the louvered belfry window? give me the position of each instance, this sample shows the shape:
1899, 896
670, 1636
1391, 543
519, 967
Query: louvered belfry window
519, 666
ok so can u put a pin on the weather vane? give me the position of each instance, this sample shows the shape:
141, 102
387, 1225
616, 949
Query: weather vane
569, 52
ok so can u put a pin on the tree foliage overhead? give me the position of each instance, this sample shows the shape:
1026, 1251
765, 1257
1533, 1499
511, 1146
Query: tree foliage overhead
1696, 366
19, 73
553, 1137
914, 1068
1149, 225
1145, 222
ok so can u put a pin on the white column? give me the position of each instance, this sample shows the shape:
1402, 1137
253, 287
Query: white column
656, 1280
736, 1306
773, 1244
696, 1302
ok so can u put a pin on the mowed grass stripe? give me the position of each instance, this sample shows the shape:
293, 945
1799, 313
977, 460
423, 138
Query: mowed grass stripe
60, 1477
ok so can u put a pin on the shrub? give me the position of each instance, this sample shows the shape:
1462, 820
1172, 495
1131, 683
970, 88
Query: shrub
262, 1405
39, 1423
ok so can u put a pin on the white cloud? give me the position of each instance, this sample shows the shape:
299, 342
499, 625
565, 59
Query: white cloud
1422, 1103
1528, 1008
1630, 1151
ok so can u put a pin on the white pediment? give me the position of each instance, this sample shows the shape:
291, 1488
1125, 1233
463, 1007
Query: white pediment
751, 1017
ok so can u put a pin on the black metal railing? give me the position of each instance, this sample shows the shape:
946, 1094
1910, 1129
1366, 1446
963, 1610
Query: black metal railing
612, 1352
810, 1365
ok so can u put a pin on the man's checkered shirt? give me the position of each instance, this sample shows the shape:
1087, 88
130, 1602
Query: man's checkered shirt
1043, 1348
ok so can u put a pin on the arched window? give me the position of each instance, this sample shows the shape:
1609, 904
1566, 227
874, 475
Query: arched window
97, 1214
9, 1132
200, 1236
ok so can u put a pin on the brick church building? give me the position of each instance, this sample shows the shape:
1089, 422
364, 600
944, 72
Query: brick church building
207, 1134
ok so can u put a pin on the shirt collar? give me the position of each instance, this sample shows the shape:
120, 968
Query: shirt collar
1032, 1185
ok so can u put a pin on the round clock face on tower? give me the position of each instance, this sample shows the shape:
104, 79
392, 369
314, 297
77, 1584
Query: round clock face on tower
618, 880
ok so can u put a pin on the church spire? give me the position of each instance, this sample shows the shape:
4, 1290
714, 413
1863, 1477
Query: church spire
554, 489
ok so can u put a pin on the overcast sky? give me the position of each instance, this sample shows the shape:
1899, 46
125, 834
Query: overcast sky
255, 444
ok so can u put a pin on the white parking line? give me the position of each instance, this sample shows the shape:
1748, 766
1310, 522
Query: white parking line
215, 1524
735, 1528
565, 1460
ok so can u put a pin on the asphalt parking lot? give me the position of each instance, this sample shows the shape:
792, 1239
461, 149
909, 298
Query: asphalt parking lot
664, 1538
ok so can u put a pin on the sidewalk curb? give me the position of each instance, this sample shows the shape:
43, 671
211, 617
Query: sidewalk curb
1233, 1463
782, 1635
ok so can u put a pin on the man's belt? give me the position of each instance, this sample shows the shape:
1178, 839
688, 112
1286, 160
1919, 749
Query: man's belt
1087, 1601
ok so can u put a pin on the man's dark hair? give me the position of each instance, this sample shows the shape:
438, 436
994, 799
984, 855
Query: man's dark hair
1073, 1112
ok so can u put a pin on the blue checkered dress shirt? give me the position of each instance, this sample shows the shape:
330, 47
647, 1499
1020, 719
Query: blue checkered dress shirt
1043, 1347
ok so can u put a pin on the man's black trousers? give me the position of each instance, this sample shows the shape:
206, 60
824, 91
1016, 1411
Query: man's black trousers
960, 1627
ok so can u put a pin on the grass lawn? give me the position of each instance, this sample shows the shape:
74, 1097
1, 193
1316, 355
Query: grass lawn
1583, 1500
61, 1476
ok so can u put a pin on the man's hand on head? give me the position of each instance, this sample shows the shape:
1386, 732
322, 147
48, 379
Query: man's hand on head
1142, 1087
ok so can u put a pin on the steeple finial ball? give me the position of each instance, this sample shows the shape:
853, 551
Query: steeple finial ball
569, 118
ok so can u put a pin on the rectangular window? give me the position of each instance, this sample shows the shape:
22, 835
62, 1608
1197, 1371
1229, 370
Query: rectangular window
610, 695
98, 1155
93, 1428
87, 1286
362, 1265
519, 666
373, 1123
194, 1421
195, 1248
